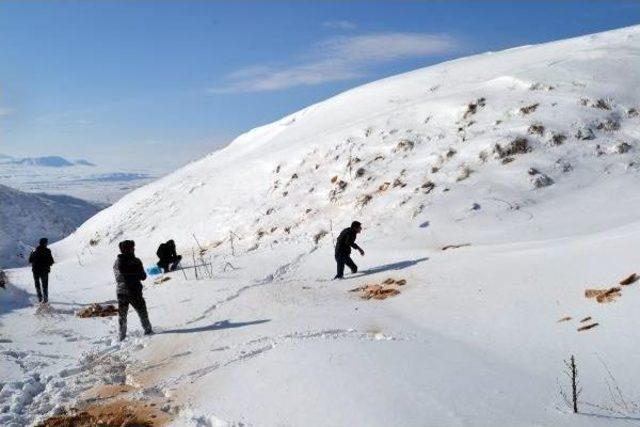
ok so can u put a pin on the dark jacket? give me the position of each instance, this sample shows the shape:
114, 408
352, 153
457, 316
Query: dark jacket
166, 252
346, 241
129, 273
41, 260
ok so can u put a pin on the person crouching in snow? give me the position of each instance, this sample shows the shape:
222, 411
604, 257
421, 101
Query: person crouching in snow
129, 274
346, 241
169, 259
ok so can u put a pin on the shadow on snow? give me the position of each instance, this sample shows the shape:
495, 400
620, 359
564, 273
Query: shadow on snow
223, 324
390, 267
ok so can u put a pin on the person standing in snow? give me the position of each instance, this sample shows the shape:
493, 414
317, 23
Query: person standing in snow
41, 262
129, 274
169, 259
346, 241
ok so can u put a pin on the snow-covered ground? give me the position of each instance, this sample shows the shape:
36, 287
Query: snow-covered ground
528, 158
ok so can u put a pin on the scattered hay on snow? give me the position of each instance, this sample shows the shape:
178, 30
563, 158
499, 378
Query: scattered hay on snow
603, 296
630, 279
122, 413
388, 288
587, 327
161, 280
462, 245
98, 310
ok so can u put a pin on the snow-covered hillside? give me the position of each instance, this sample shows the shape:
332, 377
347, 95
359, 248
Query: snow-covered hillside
527, 158
26, 217
399, 151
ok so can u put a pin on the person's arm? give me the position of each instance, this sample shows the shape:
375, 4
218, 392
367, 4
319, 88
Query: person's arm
355, 246
116, 272
142, 275
51, 261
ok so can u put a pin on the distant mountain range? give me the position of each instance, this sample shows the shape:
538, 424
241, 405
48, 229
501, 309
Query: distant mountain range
45, 161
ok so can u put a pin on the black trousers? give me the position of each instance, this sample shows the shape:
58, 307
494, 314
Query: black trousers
136, 300
342, 260
170, 264
41, 280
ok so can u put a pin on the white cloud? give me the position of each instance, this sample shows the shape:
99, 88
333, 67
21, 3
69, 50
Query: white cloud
337, 59
339, 25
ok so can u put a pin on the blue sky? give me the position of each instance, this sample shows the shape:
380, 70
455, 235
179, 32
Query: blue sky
153, 84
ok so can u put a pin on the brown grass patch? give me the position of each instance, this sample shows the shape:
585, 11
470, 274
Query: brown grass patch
565, 319
376, 291
587, 327
603, 295
120, 413
388, 288
462, 245
161, 280
629, 280
97, 310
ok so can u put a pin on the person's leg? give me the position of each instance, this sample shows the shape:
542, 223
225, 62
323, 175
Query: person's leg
45, 287
164, 266
352, 265
36, 280
175, 262
340, 266
123, 308
140, 306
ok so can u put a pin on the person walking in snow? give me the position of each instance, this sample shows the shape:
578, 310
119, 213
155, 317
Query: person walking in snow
346, 241
129, 274
169, 259
41, 261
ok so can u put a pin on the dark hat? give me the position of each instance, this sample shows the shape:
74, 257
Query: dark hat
44, 241
356, 224
126, 244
